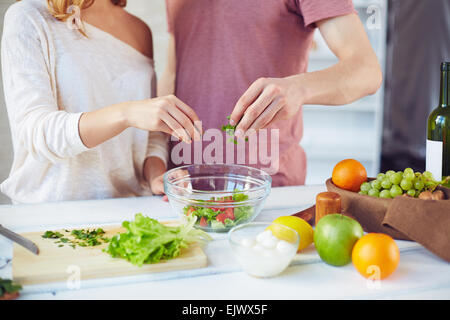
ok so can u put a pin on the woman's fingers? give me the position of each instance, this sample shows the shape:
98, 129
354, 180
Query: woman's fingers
185, 115
158, 187
177, 118
188, 111
175, 128
183, 120
163, 127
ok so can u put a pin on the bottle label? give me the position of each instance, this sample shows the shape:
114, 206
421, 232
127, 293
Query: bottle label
435, 155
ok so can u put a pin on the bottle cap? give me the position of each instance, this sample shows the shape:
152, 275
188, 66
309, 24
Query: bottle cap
445, 66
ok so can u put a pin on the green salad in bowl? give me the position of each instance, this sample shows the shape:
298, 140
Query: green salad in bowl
221, 217
218, 196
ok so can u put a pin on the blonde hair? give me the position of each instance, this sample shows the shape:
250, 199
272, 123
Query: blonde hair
59, 8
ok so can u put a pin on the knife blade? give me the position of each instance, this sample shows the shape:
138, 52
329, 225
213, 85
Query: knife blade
17, 238
308, 214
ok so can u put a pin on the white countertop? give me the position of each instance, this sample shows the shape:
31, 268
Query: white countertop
420, 274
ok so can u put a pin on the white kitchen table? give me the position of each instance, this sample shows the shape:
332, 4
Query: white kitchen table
420, 274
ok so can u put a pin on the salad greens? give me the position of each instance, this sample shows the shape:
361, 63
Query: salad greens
221, 218
148, 241
8, 287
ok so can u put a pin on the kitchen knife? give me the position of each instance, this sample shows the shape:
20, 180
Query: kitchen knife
308, 215
17, 238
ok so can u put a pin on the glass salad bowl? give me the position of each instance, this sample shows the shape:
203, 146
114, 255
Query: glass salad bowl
219, 196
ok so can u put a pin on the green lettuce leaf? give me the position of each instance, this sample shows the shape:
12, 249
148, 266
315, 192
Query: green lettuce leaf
148, 241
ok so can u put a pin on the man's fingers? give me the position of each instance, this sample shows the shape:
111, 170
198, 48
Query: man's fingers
246, 100
266, 117
277, 117
257, 108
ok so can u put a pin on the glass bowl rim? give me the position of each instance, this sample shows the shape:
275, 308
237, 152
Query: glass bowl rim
267, 179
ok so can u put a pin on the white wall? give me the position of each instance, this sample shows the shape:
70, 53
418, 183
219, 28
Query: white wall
153, 12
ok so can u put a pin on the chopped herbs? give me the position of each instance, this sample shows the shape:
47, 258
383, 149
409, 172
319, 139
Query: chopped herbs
8, 287
52, 235
230, 129
82, 237
90, 238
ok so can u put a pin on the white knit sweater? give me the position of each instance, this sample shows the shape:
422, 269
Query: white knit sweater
51, 75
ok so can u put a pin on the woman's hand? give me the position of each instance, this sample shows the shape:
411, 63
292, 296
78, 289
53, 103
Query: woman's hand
266, 101
167, 114
154, 169
157, 185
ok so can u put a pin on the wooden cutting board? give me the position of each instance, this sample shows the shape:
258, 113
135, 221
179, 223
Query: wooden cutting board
56, 264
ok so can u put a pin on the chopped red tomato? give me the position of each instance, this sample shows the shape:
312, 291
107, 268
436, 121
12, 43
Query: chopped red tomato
190, 211
229, 212
221, 217
203, 222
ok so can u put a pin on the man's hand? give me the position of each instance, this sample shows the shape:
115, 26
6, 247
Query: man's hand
266, 101
355, 75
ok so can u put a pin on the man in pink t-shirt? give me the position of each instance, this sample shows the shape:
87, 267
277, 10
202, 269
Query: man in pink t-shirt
248, 59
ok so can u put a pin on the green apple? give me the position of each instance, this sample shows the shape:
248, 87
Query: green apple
334, 238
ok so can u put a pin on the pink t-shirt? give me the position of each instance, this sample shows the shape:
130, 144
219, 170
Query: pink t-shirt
223, 46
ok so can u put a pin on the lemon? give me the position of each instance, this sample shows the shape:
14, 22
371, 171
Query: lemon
303, 228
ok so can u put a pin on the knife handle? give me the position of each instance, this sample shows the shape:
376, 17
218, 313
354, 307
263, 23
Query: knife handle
308, 215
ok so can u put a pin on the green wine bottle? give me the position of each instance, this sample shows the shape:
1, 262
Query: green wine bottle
438, 139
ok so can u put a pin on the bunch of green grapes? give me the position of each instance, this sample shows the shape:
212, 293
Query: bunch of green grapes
392, 184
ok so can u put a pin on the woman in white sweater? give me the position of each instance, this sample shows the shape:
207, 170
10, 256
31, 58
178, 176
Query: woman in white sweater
80, 100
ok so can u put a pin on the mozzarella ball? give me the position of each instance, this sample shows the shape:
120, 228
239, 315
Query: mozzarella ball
270, 242
284, 247
263, 235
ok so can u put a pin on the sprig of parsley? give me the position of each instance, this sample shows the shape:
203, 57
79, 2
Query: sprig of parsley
230, 129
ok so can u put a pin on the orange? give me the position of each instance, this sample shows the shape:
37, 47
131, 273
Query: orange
375, 256
349, 174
